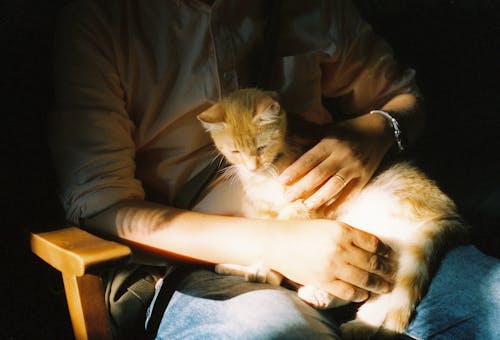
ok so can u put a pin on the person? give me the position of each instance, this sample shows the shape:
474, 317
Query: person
130, 78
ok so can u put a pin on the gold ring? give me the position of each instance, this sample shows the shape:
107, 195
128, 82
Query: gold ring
342, 179
334, 198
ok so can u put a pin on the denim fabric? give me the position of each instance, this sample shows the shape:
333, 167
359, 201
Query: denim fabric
463, 302
212, 306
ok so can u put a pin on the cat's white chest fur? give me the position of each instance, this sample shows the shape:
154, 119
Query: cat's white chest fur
267, 194
268, 191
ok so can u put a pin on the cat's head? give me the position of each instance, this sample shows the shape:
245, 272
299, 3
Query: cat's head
249, 128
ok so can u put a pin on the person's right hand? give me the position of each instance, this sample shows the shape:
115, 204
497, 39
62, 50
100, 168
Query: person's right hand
344, 261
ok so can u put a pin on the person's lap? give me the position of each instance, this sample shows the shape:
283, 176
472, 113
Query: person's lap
211, 306
463, 302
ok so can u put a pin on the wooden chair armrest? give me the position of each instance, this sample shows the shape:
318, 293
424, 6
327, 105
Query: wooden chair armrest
74, 251
79, 256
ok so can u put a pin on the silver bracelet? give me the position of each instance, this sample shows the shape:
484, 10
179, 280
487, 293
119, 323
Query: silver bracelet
395, 127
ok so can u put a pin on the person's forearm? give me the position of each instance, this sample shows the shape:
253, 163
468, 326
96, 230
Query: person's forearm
316, 252
172, 232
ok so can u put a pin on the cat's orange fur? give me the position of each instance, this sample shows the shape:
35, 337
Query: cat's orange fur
400, 205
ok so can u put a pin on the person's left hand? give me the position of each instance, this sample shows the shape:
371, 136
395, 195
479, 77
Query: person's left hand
341, 162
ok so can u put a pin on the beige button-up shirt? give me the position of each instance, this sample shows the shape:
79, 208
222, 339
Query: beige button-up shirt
131, 76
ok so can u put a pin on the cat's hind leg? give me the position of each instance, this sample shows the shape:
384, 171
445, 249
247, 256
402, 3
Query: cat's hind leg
369, 319
382, 317
389, 314
416, 262
411, 283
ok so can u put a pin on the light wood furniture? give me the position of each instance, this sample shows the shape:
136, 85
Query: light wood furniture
80, 257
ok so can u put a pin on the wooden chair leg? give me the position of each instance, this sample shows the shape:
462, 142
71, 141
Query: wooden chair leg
80, 257
86, 306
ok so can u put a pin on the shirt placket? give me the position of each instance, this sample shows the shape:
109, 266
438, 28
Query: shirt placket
225, 56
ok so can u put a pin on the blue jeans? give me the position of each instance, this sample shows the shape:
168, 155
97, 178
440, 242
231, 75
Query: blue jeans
463, 302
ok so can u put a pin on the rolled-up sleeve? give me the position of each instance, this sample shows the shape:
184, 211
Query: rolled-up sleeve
363, 72
91, 134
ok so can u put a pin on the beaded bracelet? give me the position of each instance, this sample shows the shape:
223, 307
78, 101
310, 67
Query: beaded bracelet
395, 127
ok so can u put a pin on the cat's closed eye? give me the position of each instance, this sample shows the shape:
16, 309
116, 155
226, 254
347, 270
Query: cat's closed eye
235, 151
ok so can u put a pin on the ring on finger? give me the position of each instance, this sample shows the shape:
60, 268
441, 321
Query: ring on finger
340, 178
334, 198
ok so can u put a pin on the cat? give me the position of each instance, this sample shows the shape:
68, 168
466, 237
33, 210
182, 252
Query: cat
400, 205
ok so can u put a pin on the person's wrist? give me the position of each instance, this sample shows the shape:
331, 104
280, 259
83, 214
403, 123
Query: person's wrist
272, 245
372, 128
393, 127
281, 237
381, 130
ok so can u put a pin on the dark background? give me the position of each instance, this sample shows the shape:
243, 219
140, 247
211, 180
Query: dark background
453, 45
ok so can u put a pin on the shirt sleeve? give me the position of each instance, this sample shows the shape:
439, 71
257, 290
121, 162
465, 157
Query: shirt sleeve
363, 73
91, 135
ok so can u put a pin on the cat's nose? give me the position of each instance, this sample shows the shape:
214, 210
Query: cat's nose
251, 164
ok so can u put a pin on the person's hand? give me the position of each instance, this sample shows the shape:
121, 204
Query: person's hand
346, 157
344, 261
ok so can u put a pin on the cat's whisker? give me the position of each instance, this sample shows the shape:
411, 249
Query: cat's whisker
271, 169
229, 174
221, 160
218, 157
214, 152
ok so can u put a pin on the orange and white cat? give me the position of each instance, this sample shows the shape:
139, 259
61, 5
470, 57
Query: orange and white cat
400, 205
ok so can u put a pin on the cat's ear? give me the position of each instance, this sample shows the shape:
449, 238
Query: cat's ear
212, 119
268, 111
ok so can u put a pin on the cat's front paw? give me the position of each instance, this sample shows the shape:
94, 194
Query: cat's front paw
294, 210
315, 297
357, 330
319, 298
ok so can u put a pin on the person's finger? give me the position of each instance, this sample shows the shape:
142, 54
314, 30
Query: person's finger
310, 182
371, 263
363, 279
349, 190
370, 243
327, 191
345, 291
301, 166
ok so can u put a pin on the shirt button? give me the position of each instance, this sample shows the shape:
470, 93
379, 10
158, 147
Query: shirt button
227, 76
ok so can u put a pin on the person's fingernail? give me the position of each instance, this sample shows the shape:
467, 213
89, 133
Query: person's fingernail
385, 287
310, 204
386, 266
291, 195
284, 179
385, 250
362, 296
